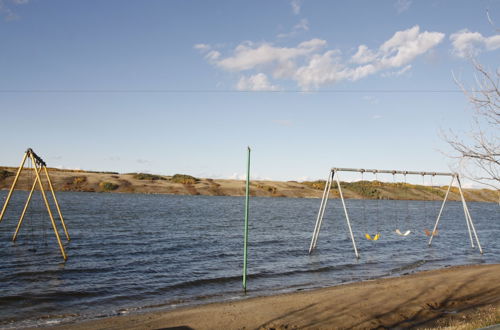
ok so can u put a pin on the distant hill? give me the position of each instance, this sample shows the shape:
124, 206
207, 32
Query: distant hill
181, 184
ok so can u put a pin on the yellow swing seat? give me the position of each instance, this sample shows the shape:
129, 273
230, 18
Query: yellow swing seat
374, 238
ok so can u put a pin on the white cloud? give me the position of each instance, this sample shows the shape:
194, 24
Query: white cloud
296, 5
469, 44
258, 82
310, 65
402, 5
397, 73
242, 176
322, 69
363, 55
248, 57
237, 176
202, 47
402, 48
212, 55
408, 44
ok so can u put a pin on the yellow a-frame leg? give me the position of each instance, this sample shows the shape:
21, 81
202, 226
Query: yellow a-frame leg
48, 210
55, 202
13, 185
26, 205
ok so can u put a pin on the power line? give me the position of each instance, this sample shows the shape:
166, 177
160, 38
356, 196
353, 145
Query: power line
226, 91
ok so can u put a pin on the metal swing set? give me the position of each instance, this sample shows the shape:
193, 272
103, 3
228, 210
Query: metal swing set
334, 176
38, 165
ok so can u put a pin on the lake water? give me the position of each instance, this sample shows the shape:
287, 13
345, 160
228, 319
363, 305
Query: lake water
132, 252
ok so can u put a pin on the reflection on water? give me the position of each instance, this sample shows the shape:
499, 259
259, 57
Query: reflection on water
131, 251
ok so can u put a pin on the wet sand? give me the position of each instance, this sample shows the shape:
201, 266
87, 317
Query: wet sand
425, 299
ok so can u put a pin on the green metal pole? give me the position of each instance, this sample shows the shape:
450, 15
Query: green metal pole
245, 239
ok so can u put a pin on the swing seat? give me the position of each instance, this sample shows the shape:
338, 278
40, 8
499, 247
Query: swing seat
374, 238
429, 233
406, 233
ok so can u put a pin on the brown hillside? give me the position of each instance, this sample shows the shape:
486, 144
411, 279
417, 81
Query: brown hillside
179, 184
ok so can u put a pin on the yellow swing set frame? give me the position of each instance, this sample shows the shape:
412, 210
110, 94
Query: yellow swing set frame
38, 166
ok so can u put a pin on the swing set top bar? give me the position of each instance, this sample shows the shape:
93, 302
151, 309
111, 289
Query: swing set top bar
362, 170
38, 159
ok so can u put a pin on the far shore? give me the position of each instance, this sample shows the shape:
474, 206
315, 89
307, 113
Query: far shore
181, 184
462, 297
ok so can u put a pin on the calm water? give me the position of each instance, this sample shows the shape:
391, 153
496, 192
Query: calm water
132, 253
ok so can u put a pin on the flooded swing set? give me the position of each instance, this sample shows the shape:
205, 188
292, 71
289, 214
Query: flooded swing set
334, 176
37, 165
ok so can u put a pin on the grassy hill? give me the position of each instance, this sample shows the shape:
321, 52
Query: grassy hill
182, 184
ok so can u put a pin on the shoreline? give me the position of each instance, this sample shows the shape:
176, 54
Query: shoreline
262, 196
432, 298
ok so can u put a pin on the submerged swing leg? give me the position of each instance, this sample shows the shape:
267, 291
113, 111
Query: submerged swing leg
347, 218
441, 211
61, 247
9, 195
55, 202
467, 221
321, 213
25, 206
468, 217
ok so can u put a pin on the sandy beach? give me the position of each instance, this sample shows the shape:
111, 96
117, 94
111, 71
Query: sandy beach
452, 297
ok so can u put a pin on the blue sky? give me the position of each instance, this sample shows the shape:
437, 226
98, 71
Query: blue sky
184, 86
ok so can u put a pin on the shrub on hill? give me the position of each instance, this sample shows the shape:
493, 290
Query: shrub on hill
184, 179
146, 176
318, 184
78, 180
267, 188
5, 174
108, 186
364, 188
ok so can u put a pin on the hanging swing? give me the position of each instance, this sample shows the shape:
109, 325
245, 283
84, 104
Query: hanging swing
376, 236
405, 233
427, 231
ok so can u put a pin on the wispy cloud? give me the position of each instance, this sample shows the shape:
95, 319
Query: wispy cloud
283, 122
469, 44
242, 176
210, 54
310, 65
371, 99
296, 6
302, 25
7, 12
402, 5
397, 73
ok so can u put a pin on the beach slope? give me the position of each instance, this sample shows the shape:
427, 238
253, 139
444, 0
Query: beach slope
453, 297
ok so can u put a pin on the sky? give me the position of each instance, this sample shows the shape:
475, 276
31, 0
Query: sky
184, 86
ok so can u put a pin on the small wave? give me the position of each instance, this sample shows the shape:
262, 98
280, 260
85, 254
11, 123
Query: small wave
408, 267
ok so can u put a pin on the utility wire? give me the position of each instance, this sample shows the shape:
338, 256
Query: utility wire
225, 91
